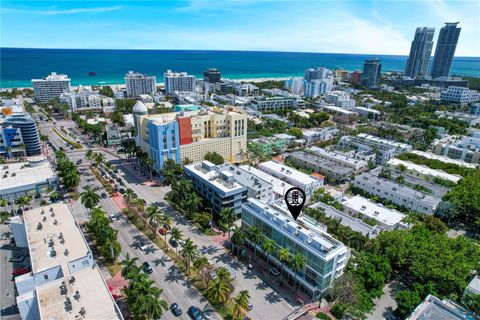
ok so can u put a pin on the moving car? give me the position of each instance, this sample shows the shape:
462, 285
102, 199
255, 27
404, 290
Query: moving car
104, 195
176, 310
113, 217
195, 313
147, 268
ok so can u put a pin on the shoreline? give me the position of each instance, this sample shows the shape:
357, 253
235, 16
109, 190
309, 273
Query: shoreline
122, 85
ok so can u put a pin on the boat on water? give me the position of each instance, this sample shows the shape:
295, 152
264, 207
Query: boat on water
92, 73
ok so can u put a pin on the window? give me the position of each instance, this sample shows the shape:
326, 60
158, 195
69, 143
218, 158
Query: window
45, 276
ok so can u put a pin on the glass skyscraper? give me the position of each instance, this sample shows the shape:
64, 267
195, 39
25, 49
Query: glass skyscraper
420, 52
372, 69
445, 50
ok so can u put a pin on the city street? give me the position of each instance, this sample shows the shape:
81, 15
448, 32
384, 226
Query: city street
268, 304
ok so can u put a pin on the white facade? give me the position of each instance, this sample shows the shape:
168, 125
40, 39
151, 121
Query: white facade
324, 134
137, 84
280, 187
388, 219
317, 87
50, 87
294, 85
178, 81
263, 103
460, 95
340, 99
297, 178
63, 269
421, 172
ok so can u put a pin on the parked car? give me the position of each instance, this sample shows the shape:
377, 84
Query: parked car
144, 247
147, 268
20, 271
250, 306
162, 231
104, 195
175, 308
195, 313
121, 190
166, 227
79, 161
113, 217
182, 242
173, 243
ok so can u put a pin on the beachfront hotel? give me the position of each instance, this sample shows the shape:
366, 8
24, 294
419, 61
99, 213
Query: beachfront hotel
50, 87
191, 134
138, 84
325, 257
65, 281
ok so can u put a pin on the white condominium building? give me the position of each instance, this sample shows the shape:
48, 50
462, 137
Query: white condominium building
292, 176
50, 87
340, 99
64, 282
460, 95
178, 82
325, 257
138, 84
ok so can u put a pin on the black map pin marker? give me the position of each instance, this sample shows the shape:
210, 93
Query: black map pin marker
295, 199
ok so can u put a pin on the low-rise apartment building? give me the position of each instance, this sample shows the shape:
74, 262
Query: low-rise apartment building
323, 134
279, 187
421, 172
385, 149
325, 257
341, 115
217, 186
398, 194
292, 176
466, 148
387, 219
64, 281
460, 95
269, 145
324, 166
264, 103
444, 159
433, 308
339, 159
26, 179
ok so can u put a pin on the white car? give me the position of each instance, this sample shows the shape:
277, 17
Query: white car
113, 217
144, 247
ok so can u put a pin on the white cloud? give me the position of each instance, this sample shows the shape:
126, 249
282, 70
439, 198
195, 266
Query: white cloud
67, 11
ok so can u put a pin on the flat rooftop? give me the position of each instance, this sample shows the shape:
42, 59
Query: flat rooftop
425, 170
93, 296
53, 227
316, 160
474, 285
432, 308
288, 172
339, 110
337, 156
385, 141
15, 175
315, 239
375, 211
444, 159
162, 117
221, 179
245, 177
397, 188
279, 186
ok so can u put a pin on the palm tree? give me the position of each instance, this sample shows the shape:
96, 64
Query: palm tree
169, 177
298, 263
176, 235
54, 195
44, 139
193, 203
71, 180
188, 252
223, 274
166, 222
151, 306
99, 158
149, 164
89, 154
89, 198
186, 186
138, 204
228, 217
129, 267
238, 237
283, 256
201, 263
129, 195
255, 236
218, 291
241, 302
268, 247
154, 216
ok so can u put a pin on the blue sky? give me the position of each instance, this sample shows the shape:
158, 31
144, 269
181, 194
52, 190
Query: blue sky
380, 27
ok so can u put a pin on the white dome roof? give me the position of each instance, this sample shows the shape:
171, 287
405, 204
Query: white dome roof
139, 107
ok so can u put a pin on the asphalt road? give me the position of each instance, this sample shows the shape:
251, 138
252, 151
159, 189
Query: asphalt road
268, 304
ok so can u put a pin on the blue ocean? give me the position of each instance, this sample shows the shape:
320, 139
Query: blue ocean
19, 66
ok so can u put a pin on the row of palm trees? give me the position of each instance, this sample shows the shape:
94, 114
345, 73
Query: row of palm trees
270, 249
96, 158
104, 236
141, 295
67, 170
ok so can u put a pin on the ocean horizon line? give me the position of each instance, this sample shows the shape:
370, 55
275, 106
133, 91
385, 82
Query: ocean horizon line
226, 50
